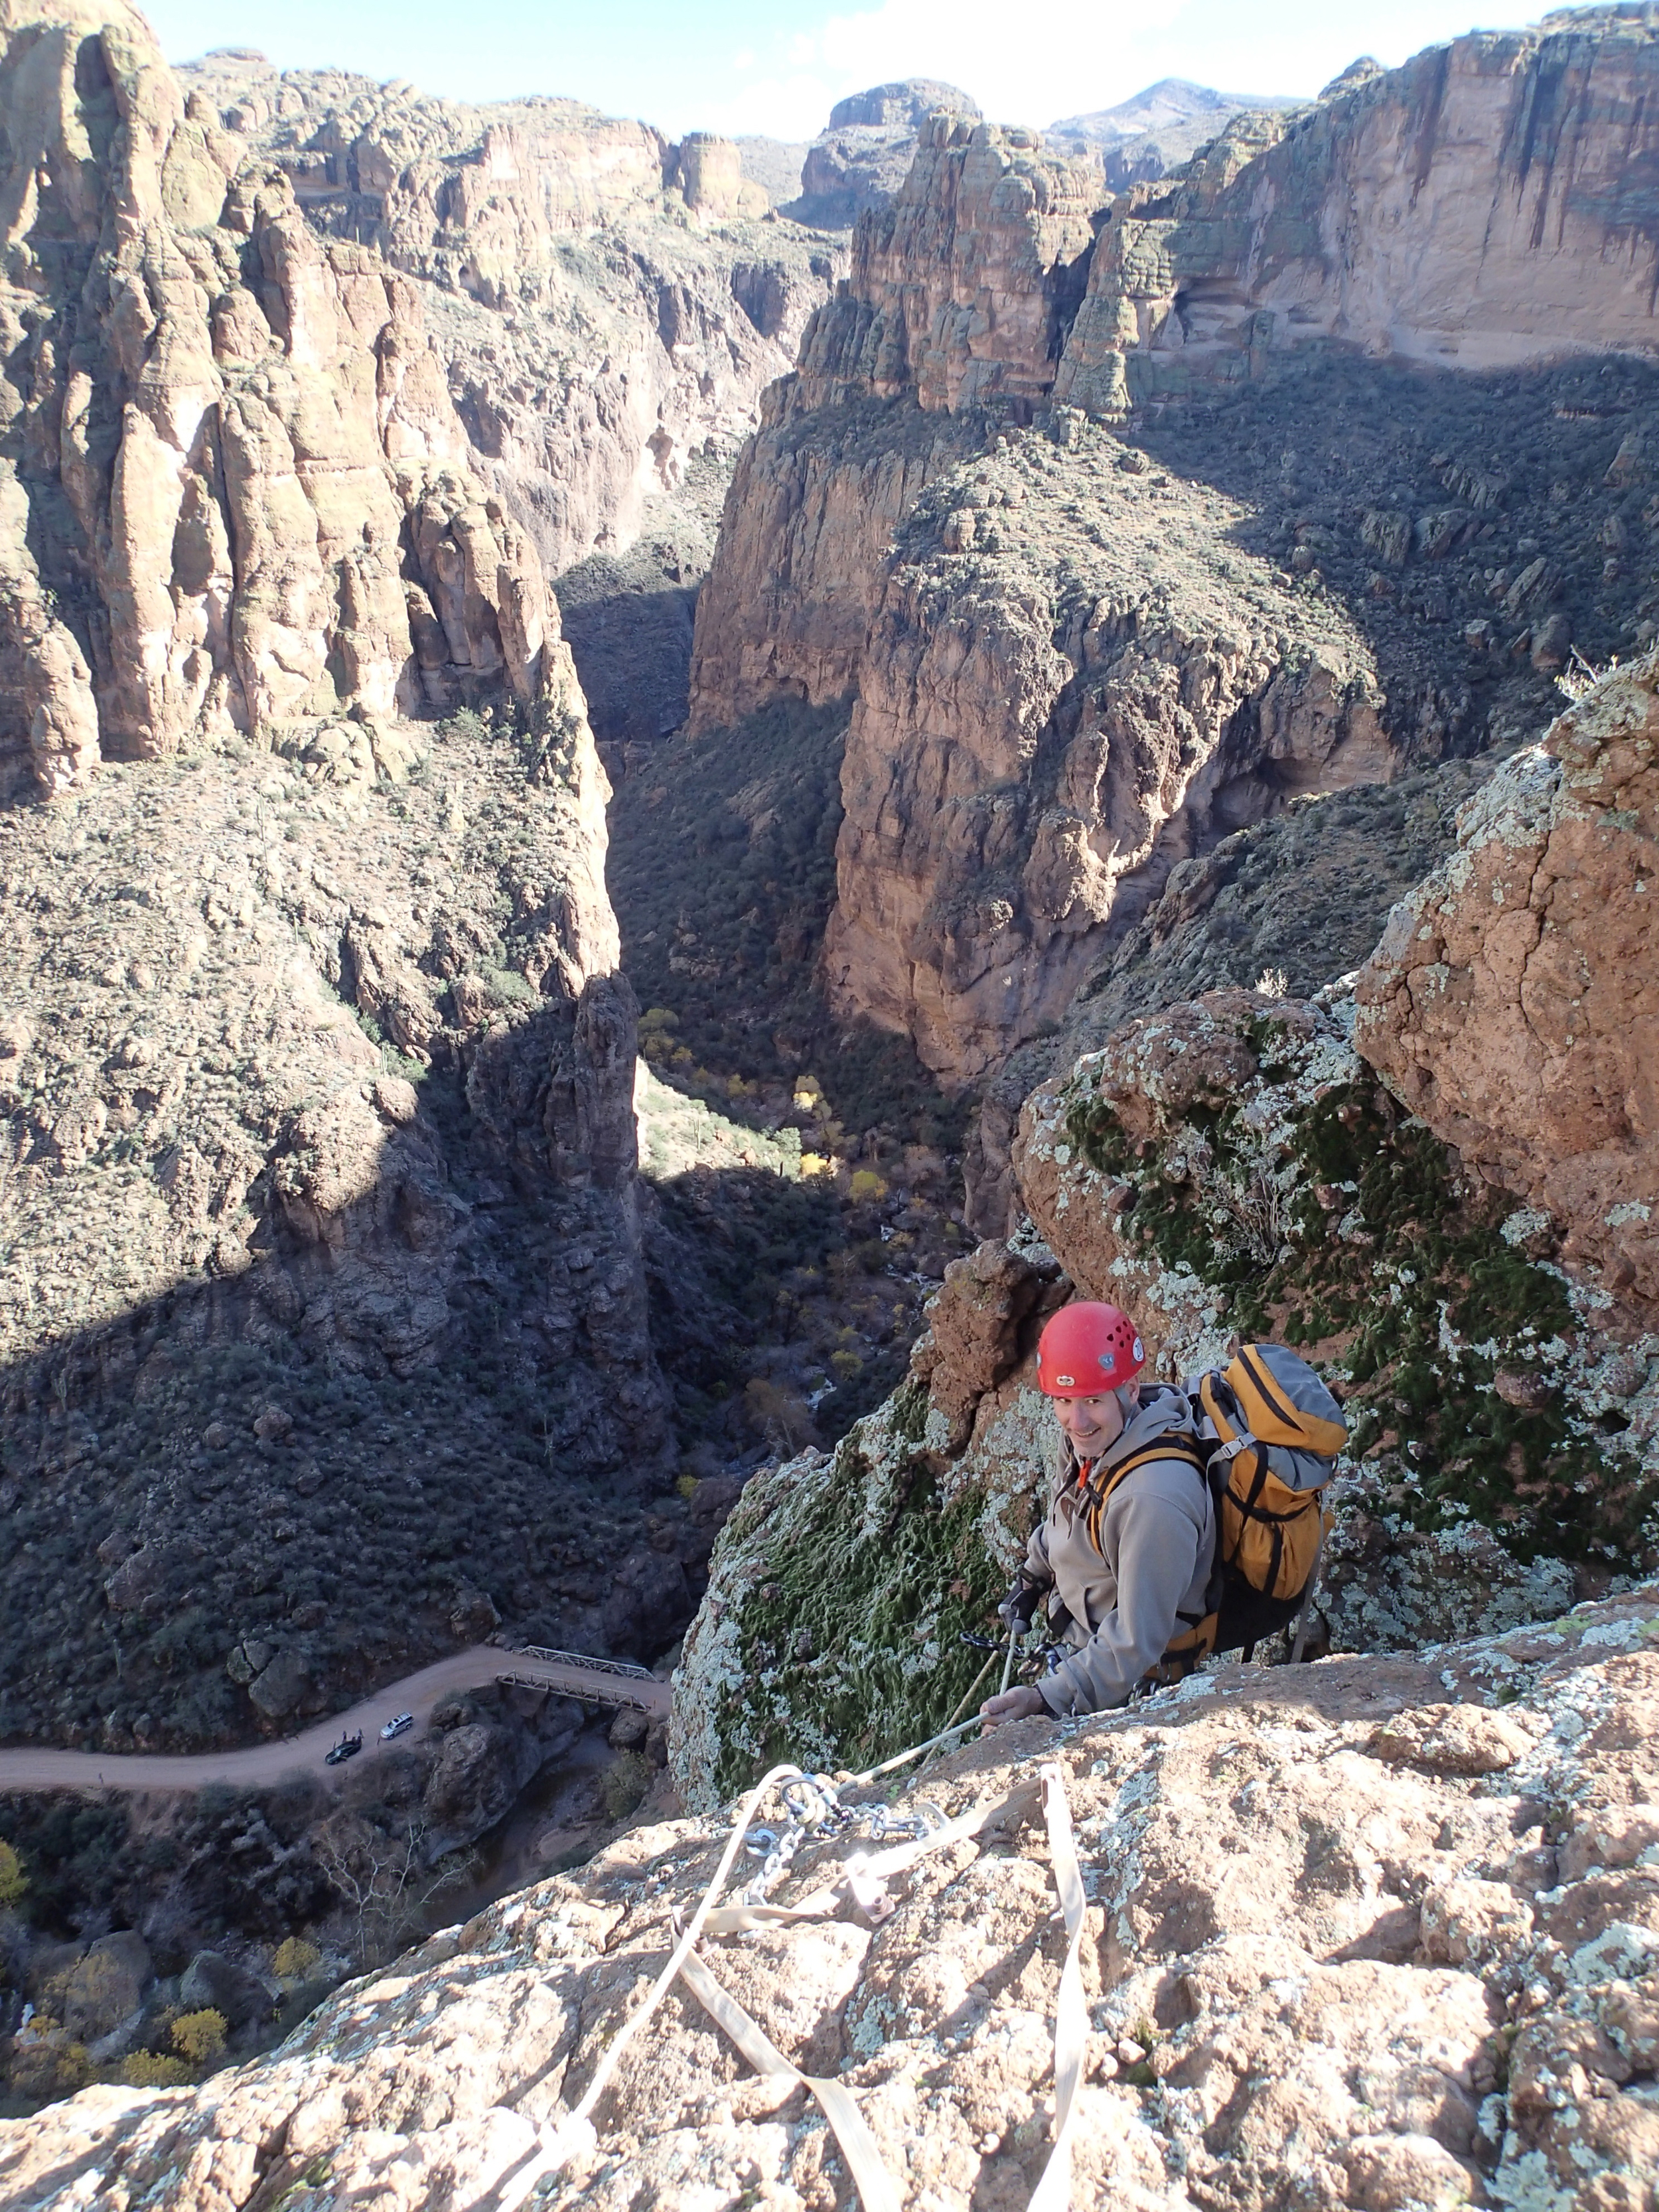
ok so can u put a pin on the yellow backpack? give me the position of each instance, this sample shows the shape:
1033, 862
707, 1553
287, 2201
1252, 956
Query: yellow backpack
1269, 1531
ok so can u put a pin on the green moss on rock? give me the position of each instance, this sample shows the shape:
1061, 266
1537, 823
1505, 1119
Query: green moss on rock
1306, 1205
838, 1589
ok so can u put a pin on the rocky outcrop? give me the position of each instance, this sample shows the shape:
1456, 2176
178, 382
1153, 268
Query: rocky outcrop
1488, 203
238, 479
1051, 715
860, 160
1232, 1169
594, 343
959, 289
708, 171
1382, 1933
955, 292
1512, 1002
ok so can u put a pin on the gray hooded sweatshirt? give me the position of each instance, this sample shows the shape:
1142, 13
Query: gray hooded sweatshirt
1156, 1546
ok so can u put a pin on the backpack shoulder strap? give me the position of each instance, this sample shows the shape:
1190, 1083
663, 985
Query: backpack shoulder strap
1173, 1446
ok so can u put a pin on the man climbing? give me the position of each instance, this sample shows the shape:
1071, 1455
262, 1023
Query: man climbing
1124, 1563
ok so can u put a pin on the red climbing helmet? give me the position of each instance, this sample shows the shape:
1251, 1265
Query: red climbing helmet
1088, 1348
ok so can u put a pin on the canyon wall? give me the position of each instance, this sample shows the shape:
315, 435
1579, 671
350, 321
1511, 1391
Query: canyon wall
604, 306
958, 284
238, 488
1491, 203
1307, 583
1008, 609
1513, 1001
318, 1196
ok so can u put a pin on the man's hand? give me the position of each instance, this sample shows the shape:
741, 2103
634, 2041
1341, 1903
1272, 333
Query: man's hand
1016, 1609
1020, 1704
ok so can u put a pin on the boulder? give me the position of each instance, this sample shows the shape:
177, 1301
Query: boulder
280, 1687
213, 1982
472, 1615
106, 1987
473, 1783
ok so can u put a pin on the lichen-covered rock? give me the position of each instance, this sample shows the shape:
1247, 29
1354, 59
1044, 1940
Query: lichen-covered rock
972, 1340
1323, 1963
1227, 1168
1302, 895
842, 1583
1514, 999
1232, 1169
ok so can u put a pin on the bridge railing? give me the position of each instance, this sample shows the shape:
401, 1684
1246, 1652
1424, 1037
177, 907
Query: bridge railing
614, 1692
581, 1659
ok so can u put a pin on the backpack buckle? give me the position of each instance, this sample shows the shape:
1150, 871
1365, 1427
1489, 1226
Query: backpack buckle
1229, 1452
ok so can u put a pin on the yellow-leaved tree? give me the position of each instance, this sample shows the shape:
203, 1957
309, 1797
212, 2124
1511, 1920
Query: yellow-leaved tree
13, 1882
200, 2036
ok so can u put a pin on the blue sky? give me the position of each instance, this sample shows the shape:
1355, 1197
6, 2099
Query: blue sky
737, 65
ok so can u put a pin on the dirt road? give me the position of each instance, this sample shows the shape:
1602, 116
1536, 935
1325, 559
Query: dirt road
265, 1763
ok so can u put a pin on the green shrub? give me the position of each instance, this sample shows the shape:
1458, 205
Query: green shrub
200, 2036
151, 2069
13, 1882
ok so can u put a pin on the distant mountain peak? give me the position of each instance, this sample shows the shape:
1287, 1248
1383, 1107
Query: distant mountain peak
1170, 103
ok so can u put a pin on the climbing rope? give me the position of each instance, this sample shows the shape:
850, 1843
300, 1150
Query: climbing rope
813, 1803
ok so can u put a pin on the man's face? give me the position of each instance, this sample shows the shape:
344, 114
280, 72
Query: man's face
1094, 1424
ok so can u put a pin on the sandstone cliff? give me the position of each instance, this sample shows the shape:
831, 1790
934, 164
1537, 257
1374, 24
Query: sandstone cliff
1382, 1934
237, 484
1423, 554
1512, 1000
603, 305
1489, 203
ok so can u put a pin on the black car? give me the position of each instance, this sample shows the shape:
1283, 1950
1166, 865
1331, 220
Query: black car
347, 1747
